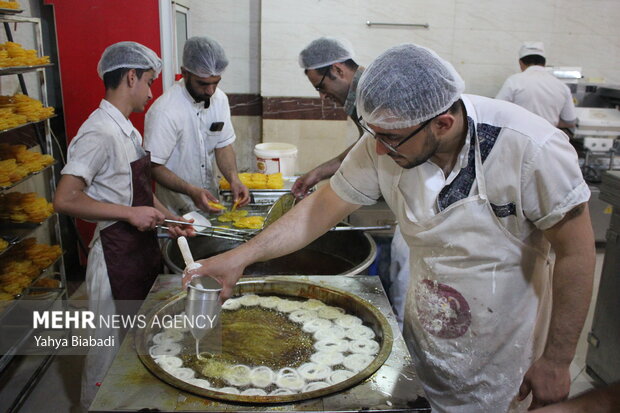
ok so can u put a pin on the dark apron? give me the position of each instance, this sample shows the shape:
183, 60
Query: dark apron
133, 258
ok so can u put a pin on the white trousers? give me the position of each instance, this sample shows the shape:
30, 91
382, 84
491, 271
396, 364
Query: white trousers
100, 302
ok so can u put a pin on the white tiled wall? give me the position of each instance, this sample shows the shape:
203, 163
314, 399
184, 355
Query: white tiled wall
480, 37
236, 25
316, 140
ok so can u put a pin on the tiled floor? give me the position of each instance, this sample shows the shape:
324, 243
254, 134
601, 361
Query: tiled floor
60, 385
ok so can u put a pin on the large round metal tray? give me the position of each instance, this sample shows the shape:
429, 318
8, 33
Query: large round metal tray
353, 304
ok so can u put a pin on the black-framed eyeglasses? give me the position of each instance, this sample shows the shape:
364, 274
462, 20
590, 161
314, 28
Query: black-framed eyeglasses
319, 87
392, 148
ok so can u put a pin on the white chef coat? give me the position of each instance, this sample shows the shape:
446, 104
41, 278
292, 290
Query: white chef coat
521, 157
101, 154
177, 133
541, 93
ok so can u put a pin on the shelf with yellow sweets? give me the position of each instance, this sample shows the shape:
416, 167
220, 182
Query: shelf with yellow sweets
17, 70
24, 208
19, 109
10, 7
27, 266
17, 163
14, 55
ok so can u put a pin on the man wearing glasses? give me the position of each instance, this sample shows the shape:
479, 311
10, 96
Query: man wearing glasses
329, 66
482, 189
328, 63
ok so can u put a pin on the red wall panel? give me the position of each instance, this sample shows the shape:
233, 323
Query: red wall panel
84, 28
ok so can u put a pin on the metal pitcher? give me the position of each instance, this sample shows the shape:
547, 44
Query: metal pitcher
202, 305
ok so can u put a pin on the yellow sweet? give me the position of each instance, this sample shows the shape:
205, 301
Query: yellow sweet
16, 162
257, 181
230, 216
14, 55
20, 207
19, 109
216, 205
25, 263
252, 222
9, 4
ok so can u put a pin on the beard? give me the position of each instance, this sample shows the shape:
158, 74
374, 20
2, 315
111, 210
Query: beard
428, 150
197, 96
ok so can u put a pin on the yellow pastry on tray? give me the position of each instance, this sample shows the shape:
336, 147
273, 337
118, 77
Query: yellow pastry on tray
9, 4
25, 262
216, 205
251, 222
24, 207
230, 216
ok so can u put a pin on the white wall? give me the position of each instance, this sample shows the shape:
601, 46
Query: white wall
480, 37
235, 24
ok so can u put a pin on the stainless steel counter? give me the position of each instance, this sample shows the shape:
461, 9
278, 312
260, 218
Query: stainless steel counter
129, 386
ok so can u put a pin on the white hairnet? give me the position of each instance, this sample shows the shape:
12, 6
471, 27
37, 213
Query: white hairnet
129, 55
405, 86
204, 57
325, 51
530, 48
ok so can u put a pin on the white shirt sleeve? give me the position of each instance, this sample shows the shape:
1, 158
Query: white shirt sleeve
160, 135
568, 113
552, 182
87, 155
227, 135
507, 91
357, 181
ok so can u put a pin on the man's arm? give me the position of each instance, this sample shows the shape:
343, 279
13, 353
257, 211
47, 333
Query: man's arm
605, 400
168, 179
176, 230
567, 127
572, 240
303, 184
227, 162
70, 199
308, 220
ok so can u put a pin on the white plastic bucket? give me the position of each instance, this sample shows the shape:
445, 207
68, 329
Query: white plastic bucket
274, 157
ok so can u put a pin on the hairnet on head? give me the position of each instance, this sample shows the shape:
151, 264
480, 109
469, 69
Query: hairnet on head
128, 55
530, 48
405, 86
204, 57
325, 51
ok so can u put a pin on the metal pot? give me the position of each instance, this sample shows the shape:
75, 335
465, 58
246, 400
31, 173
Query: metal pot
334, 253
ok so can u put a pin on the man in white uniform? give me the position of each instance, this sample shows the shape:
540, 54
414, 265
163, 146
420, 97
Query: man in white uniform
189, 127
107, 179
538, 91
481, 189
329, 66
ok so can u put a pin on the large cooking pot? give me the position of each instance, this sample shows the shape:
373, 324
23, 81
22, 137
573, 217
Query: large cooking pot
334, 253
